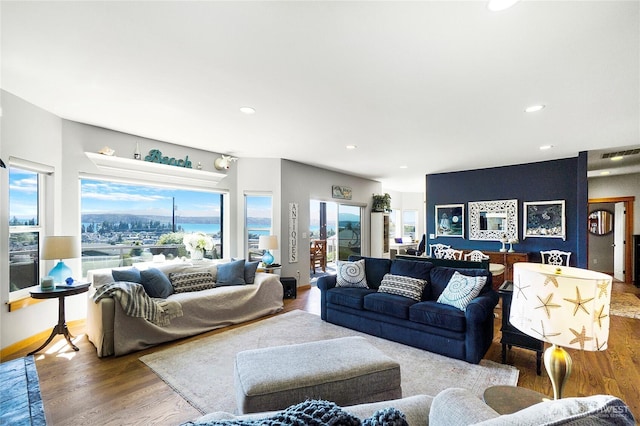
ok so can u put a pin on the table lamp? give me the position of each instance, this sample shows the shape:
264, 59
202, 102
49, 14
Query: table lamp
266, 243
567, 307
58, 248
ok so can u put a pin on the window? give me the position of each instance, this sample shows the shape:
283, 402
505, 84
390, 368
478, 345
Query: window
25, 228
127, 223
409, 224
258, 221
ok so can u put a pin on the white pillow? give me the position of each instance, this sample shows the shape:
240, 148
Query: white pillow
402, 286
461, 290
351, 274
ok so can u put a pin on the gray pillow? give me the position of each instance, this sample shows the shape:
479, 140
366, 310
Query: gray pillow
131, 275
231, 273
183, 282
250, 269
155, 283
351, 274
402, 286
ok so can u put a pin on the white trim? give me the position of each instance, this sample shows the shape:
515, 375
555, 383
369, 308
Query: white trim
31, 166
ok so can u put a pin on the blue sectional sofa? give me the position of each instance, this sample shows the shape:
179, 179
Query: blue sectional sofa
424, 324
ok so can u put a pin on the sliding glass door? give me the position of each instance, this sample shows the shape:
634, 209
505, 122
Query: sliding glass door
349, 231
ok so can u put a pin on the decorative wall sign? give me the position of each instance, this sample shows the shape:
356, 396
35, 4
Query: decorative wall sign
342, 192
155, 156
544, 219
293, 232
450, 220
493, 220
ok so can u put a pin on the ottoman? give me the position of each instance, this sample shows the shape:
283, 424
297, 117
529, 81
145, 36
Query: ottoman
347, 371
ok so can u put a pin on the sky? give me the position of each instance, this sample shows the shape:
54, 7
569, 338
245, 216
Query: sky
23, 194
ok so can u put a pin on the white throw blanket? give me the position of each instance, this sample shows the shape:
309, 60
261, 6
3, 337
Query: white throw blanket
136, 302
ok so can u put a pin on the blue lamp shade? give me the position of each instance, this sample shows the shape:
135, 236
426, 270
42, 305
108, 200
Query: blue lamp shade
266, 243
58, 248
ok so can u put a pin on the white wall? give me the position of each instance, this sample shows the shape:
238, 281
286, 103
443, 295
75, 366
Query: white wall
619, 186
301, 183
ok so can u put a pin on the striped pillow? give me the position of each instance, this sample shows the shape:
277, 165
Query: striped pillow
461, 290
402, 286
183, 282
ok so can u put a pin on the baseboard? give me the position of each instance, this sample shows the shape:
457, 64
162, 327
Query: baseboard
36, 338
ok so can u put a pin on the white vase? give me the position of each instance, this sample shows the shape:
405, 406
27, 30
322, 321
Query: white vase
197, 255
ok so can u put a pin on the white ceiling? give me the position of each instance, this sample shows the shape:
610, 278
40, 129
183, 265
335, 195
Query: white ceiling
434, 86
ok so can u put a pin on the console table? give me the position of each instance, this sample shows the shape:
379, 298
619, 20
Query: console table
511, 336
507, 259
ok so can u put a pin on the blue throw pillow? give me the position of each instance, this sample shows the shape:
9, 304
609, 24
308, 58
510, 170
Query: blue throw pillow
461, 290
231, 273
155, 283
131, 275
250, 269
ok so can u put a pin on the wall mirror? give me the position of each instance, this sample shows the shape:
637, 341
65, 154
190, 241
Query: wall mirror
600, 222
493, 220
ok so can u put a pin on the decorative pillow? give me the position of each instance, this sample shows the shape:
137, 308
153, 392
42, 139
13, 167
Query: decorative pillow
131, 275
402, 286
231, 273
155, 283
183, 282
461, 290
351, 274
250, 269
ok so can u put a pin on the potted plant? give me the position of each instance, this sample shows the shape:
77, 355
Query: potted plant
381, 203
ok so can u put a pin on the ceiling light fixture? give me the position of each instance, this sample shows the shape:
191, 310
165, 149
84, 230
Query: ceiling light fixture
617, 158
605, 173
247, 110
351, 147
404, 167
545, 147
498, 5
534, 108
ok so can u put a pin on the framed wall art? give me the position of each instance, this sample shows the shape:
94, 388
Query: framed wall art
341, 192
450, 220
544, 219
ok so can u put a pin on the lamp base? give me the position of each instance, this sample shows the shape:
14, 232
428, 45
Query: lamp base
558, 364
60, 273
267, 258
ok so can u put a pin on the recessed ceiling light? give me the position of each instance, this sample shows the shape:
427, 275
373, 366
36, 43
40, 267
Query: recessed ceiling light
545, 147
247, 110
404, 167
617, 158
534, 108
498, 5
351, 146
605, 173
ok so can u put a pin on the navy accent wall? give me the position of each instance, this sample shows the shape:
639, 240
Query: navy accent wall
564, 179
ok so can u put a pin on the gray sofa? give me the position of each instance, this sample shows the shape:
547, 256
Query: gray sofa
456, 407
115, 333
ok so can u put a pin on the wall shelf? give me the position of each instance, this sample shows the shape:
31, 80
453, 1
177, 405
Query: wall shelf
148, 171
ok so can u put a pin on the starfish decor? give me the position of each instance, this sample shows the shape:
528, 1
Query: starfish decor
579, 302
580, 337
546, 304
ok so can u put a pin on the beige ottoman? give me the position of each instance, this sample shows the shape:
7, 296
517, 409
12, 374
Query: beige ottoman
347, 371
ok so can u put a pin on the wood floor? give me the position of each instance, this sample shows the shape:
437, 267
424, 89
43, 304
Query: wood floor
78, 388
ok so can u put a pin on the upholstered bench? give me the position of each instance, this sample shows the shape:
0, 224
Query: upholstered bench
347, 371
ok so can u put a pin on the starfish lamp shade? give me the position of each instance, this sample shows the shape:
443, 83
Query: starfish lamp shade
58, 248
564, 306
266, 243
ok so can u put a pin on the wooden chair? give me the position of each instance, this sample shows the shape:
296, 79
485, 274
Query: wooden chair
555, 257
451, 254
318, 255
436, 249
476, 256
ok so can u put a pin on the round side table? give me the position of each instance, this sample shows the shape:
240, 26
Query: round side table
60, 293
509, 399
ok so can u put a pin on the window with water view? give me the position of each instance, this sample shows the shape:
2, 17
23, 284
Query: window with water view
126, 223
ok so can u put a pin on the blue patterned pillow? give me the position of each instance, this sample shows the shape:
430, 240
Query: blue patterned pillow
461, 290
402, 286
351, 274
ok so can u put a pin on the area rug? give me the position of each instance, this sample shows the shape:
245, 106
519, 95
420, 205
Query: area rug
625, 305
20, 399
202, 371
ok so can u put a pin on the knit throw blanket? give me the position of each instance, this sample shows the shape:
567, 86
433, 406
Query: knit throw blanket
316, 413
136, 302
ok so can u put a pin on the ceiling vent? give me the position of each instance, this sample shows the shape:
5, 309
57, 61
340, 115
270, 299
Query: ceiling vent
621, 153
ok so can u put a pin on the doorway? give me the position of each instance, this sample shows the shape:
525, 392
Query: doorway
340, 226
611, 252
